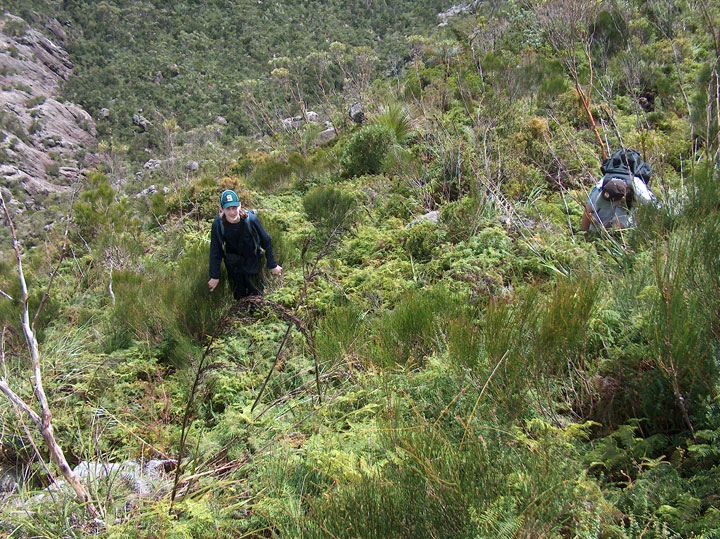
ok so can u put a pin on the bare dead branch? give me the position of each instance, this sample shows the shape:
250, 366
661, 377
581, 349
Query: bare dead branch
44, 420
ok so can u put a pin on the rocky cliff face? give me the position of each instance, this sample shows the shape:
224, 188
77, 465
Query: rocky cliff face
44, 143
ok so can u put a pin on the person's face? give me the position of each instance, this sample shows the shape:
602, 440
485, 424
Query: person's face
232, 214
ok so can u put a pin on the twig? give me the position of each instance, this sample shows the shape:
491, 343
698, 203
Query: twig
301, 299
482, 391
110, 289
44, 422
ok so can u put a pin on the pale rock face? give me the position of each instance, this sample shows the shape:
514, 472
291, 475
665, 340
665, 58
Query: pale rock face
295, 122
455, 10
34, 123
326, 135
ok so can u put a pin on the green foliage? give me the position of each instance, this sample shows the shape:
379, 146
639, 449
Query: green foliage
338, 334
96, 208
271, 174
395, 118
175, 314
53, 169
431, 480
454, 360
462, 218
11, 309
366, 151
422, 240
413, 330
9, 122
196, 50
15, 28
35, 101
328, 206
652, 489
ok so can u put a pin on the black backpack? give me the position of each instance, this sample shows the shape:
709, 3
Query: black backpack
625, 164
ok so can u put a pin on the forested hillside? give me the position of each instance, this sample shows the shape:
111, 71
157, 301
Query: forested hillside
447, 354
193, 61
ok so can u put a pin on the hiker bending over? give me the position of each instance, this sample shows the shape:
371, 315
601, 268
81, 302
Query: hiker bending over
611, 200
237, 237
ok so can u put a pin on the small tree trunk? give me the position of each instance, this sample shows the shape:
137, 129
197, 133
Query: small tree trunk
586, 106
44, 422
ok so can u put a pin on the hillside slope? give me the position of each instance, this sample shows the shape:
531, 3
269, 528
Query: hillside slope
447, 354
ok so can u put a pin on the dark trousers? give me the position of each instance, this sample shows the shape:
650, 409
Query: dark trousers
246, 284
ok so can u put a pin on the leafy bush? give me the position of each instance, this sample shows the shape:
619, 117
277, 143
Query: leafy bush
422, 240
471, 482
462, 218
328, 206
172, 314
270, 174
283, 249
101, 213
366, 150
35, 101
338, 334
395, 118
413, 330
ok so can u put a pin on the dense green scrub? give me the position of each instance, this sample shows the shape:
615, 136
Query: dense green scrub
494, 373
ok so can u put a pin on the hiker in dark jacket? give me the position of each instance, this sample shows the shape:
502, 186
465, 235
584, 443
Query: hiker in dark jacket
236, 237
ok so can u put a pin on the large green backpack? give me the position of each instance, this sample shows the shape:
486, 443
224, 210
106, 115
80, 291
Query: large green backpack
249, 220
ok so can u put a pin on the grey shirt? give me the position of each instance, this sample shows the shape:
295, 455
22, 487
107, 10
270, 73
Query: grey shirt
612, 214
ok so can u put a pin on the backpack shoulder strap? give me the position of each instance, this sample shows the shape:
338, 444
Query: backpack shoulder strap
250, 223
221, 229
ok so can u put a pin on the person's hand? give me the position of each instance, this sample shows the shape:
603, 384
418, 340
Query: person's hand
277, 270
212, 283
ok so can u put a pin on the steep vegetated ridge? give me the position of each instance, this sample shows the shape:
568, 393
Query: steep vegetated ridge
45, 142
447, 354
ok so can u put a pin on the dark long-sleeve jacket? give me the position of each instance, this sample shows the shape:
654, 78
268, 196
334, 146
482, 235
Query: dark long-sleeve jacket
238, 250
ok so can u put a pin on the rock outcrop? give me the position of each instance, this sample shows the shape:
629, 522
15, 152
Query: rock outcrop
356, 113
454, 11
44, 142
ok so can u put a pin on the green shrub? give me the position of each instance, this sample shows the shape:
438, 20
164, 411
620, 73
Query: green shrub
35, 101
170, 306
395, 118
283, 249
271, 174
93, 210
328, 206
478, 482
53, 169
414, 329
366, 151
422, 240
338, 334
15, 27
11, 310
462, 218
396, 205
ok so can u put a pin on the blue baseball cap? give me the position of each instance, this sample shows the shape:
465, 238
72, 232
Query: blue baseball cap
228, 199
